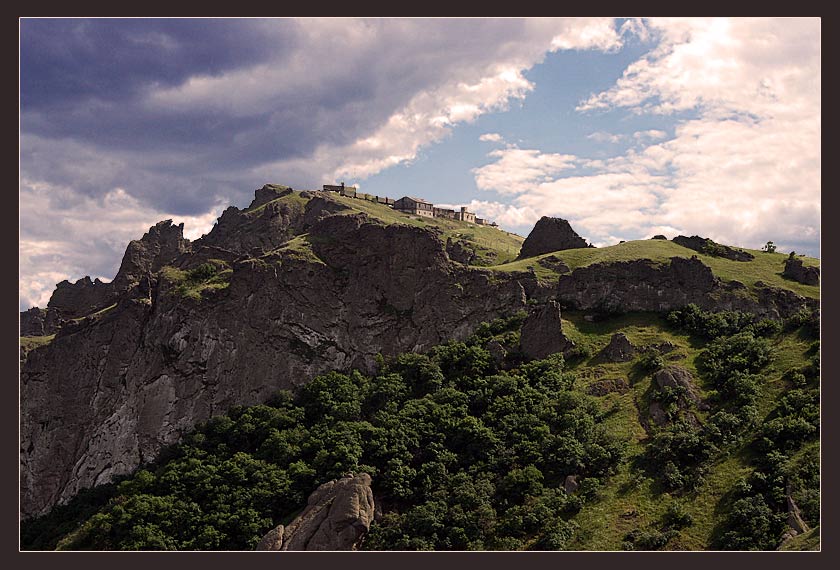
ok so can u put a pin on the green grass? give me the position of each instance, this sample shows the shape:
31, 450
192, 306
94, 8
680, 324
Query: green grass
486, 239
765, 267
808, 541
32, 342
301, 248
294, 199
630, 499
194, 285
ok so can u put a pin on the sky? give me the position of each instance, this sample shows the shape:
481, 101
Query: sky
625, 127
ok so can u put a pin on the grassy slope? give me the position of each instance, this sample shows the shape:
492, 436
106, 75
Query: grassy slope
506, 245
630, 500
765, 267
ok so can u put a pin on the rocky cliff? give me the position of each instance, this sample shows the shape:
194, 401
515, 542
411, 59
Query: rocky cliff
114, 387
645, 285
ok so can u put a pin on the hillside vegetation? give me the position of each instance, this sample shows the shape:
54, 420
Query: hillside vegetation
468, 452
766, 267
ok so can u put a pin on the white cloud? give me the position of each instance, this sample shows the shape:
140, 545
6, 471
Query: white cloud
94, 233
340, 99
518, 170
602, 136
490, 137
652, 134
744, 169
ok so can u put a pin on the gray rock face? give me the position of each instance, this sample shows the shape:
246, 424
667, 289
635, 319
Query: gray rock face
74, 300
619, 349
644, 285
554, 263
709, 247
550, 234
39, 322
796, 270
337, 516
273, 540
158, 247
677, 377
108, 392
459, 251
542, 332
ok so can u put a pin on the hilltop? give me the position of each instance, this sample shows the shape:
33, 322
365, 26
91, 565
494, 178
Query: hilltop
369, 322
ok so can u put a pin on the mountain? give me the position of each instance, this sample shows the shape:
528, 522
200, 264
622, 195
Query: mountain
305, 283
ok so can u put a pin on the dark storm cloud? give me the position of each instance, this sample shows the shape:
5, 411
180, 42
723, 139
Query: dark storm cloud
67, 61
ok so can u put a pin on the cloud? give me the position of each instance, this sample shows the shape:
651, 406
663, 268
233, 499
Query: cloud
182, 115
602, 136
518, 170
651, 134
491, 137
744, 167
64, 236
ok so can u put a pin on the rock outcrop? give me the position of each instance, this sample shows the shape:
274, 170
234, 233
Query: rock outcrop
709, 247
554, 263
542, 332
678, 378
645, 285
75, 300
459, 251
550, 234
39, 322
336, 518
796, 270
160, 246
619, 349
109, 391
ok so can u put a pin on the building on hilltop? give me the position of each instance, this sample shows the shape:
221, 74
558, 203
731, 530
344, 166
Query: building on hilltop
444, 213
341, 189
465, 216
417, 206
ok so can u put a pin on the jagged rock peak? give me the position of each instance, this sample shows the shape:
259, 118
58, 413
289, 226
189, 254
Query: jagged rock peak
337, 517
551, 234
268, 193
542, 332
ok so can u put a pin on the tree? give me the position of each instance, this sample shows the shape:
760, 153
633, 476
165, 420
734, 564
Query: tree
769, 247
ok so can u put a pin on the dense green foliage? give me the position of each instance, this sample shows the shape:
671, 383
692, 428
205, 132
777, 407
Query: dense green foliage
471, 452
464, 455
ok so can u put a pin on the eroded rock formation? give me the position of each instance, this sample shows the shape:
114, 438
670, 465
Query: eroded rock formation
337, 517
645, 285
796, 270
542, 332
550, 234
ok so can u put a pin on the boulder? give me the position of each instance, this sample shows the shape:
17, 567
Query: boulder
542, 332
273, 540
796, 270
550, 234
677, 377
570, 485
619, 349
337, 516
709, 247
